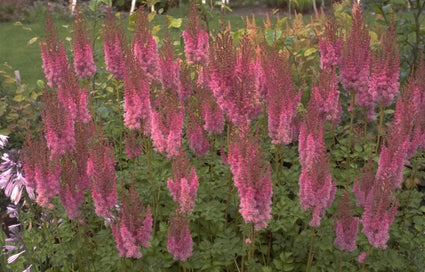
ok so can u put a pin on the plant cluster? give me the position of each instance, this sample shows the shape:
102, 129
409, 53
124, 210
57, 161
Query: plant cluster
229, 155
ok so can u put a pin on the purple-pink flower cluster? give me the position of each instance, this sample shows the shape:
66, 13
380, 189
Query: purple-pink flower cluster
252, 177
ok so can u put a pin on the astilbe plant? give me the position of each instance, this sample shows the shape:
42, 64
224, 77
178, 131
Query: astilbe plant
184, 189
281, 97
113, 42
74, 98
346, 225
326, 95
364, 182
385, 65
330, 46
137, 103
167, 123
145, 48
211, 112
53, 55
132, 226
42, 170
169, 68
379, 213
317, 189
84, 65
252, 177
355, 62
101, 171
71, 192
196, 135
232, 78
184, 186
133, 148
196, 39
58, 125
179, 242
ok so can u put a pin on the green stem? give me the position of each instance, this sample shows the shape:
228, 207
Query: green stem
310, 253
340, 261
367, 255
353, 97
380, 126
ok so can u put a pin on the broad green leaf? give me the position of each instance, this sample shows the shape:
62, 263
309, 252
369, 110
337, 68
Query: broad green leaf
310, 51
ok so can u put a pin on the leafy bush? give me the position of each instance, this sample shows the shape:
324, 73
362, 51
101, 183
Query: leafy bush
13, 9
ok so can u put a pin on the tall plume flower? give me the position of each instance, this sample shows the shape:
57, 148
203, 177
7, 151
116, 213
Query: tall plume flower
168, 67
408, 120
330, 46
72, 196
317, 189
364, 182
132, 146
233, 78
196, 39
58, 125
101, 171
346, 225
355, 62
179, 241
42, 170
252, 177
196, 135
185, 185
167, 123
379, 213
83, 134
132, 227
392, 157
74, 98
383, 81
209, 109
113, 42
53, 55
137, 103
84, 64
145, 48
326, 95
281, 98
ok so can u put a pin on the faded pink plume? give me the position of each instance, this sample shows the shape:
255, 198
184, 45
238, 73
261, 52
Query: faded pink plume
355, 62
53, 55
346, 225
330, 46
101, 171
184, 192
179, 242
281, 98
379, 213
113, 43
58, 125
385, 69
84, 64
71, 195
252, 177
317, 189
145, 48
133, 227
196, 39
